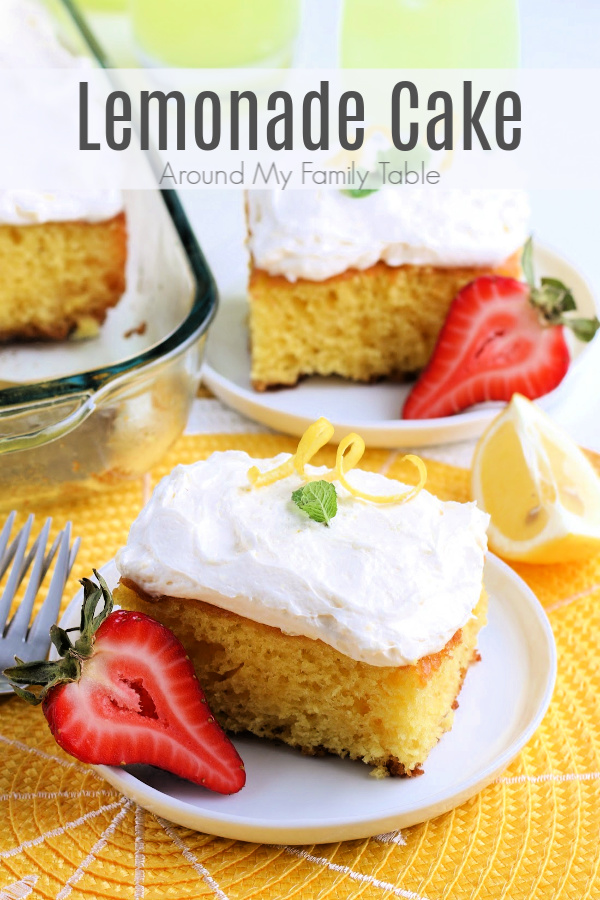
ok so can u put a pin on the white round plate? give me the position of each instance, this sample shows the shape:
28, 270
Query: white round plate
371, 409
293, 799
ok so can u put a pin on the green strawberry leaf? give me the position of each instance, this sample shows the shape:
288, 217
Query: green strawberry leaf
553, 299
318, 499
28, 696
584, 329
61, 640
527, 262
567, 301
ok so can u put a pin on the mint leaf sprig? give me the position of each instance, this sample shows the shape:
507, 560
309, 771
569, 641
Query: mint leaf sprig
357, 193
419, 155
553, 299
318, 499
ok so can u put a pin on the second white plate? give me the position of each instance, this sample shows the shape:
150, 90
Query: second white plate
371, 409
293, 799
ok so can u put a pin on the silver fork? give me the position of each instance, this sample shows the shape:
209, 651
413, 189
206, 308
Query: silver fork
18, 637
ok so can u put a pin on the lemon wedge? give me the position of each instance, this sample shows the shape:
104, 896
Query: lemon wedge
541, 491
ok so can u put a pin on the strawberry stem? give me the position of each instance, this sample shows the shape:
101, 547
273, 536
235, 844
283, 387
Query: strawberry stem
554, 300
68, 667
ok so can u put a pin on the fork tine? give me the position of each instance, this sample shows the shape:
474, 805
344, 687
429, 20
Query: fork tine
52, 552
32, 553
20, 620
11, 550
49, 611
74, 552
17, 552
5, 535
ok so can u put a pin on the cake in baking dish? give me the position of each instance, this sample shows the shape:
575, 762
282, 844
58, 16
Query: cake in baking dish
60, 277
62, 253
351, 638
360, 286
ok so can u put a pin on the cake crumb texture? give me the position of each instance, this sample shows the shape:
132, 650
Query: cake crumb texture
60, 277
307, 694
380, 322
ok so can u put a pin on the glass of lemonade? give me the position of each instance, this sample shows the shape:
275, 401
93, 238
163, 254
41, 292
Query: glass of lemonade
216, 33
436, 34
103, 5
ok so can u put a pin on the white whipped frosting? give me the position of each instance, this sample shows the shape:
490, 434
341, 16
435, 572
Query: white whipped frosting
383, 584
29, 39
21, 207
321, 233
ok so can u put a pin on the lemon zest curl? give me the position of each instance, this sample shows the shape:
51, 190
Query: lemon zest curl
349, 453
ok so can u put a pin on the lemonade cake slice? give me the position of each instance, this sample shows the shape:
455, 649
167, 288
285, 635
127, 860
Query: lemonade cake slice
360, 286
351, 637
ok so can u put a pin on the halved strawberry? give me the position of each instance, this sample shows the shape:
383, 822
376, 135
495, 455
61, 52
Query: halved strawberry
125, 692
501, 337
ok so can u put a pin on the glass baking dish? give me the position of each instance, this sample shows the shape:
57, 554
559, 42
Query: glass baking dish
93, 429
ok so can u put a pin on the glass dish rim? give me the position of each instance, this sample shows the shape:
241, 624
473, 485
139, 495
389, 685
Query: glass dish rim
201, 314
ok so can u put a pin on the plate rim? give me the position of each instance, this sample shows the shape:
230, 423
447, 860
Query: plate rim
399, 432
266, 830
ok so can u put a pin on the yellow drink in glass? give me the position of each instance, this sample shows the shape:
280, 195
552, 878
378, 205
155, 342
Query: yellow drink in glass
216, 33
430, 34
102, 5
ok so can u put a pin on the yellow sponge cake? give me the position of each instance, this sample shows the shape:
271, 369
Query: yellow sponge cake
60, 277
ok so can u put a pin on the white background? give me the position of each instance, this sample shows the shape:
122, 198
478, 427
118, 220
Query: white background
566, 34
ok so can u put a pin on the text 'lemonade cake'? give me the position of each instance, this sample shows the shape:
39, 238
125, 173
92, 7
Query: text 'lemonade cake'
360, 286
352, 637
62, 254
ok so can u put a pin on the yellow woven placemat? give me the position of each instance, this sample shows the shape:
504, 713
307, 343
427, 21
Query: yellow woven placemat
534, 833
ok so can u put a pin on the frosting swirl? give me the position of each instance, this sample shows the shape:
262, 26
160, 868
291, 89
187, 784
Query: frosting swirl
318, 234
384, 584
